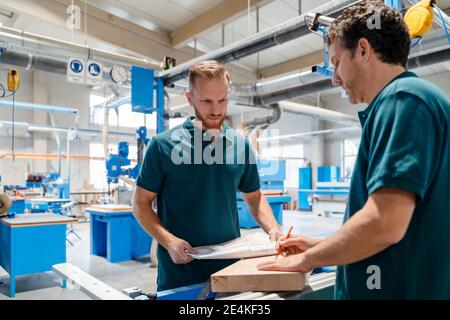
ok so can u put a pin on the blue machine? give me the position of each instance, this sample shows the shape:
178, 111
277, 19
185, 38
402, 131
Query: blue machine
119, 165
50, 183
330, 194
144, 85
272, 175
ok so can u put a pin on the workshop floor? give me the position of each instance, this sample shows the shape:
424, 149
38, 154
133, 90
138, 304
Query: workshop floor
45, 286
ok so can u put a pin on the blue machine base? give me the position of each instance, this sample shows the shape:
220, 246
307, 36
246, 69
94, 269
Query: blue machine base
118, 236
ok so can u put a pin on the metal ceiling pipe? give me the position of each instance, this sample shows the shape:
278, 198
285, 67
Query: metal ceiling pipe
430, 58
35, 62
264, 121
34, 106
438, 56
312, 133
35, 41
273, 84
323, 114
47, 129
30, 61
276, 35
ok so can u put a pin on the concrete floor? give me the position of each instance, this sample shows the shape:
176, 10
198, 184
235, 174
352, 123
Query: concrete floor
45, 286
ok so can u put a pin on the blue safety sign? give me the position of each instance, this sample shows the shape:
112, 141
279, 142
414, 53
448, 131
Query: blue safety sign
94, 69
76, 66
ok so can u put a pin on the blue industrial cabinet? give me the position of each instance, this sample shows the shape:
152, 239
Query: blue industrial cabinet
305, 182
117, 236
30, 248
328, 174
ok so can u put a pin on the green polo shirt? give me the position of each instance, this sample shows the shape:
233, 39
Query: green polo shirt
196, 181
405, 144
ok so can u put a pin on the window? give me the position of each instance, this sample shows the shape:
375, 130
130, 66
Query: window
97, 168
293, 155
349, 152
127, 118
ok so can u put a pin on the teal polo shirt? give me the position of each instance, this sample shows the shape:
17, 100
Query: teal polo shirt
196, 181
405, 144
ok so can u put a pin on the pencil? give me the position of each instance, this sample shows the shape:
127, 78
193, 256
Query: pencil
287, 236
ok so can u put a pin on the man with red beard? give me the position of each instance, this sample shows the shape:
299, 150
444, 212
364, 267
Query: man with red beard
194, 171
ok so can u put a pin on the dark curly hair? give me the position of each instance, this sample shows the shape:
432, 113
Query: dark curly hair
390, 40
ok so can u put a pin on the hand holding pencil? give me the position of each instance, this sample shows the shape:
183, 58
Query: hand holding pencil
280, 250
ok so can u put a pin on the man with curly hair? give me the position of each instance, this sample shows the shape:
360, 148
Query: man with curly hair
395, 240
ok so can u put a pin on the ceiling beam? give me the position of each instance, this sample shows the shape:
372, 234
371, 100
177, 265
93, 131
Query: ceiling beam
295, 64
227, 11
111, 29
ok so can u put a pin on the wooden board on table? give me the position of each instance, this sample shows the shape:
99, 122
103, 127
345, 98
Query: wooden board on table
48, 200
35, 219
244, 276
272, 192
111, 208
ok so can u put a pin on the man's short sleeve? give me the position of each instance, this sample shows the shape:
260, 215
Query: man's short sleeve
249, 181
151, 174
404, 145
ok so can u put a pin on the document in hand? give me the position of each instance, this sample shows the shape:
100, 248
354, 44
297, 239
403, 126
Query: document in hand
249, 246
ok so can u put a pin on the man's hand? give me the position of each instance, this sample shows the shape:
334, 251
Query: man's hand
275, 234
296, 244
179, 249
296, 262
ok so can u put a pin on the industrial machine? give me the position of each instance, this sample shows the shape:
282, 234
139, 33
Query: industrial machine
272, 174
330, 195
119, 165
144, 86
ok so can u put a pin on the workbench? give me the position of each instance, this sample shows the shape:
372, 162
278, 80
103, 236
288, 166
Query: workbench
320, 285
31, 243
116, 234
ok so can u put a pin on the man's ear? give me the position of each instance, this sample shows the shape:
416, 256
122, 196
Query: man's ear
364, 49
188, 95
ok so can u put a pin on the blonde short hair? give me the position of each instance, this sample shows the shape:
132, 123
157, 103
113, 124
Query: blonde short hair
209, 69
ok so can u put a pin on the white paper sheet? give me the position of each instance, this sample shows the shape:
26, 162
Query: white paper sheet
249, 246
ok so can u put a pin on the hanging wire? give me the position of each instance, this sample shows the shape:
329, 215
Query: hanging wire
249, 18
417, 42
85, 22
13, 122
444, 24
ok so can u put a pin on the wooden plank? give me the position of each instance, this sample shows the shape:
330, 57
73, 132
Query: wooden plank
91, 286
244, 276
35, 219
111, 208
47, 200
272, 192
